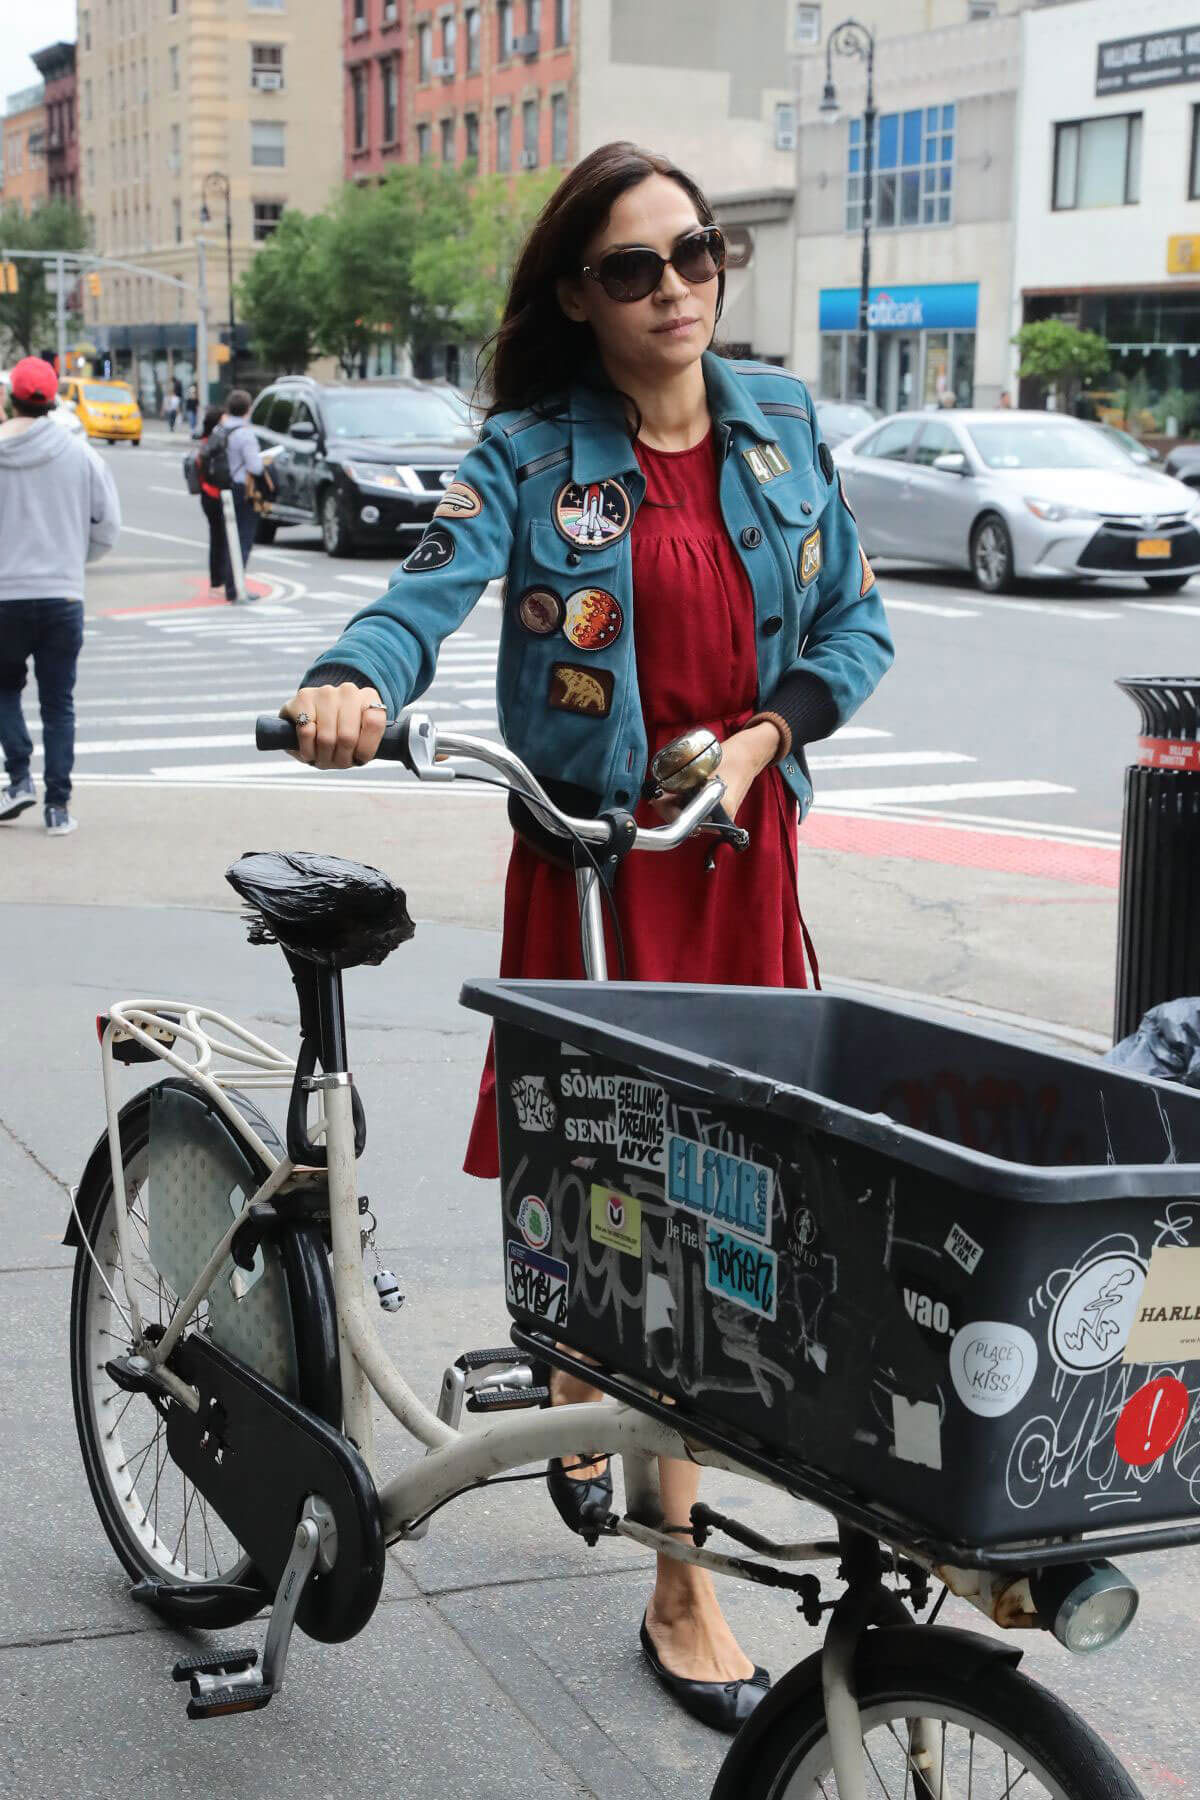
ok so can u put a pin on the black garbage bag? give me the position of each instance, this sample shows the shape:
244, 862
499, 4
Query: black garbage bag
1166, 1043
331, 911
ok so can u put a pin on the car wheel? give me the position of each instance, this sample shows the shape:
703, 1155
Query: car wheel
992, 555
335, 530
136, 442
264, 531
1165, 584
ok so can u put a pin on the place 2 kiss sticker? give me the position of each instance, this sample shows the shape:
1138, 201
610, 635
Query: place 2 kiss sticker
594, 619
591, 514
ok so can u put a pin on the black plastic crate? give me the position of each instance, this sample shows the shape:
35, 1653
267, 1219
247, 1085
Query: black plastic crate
903, 1254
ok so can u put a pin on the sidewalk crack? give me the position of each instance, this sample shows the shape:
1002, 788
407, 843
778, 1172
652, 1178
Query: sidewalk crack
16, 1138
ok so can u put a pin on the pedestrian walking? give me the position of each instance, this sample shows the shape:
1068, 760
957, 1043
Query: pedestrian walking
232, 457
742, 602
1005, 400
211, 506
58, 511
171, 407
191, 407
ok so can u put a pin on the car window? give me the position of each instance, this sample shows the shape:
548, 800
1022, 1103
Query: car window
892, 440
260, 409
844, 417
1056, 444
936, 440
107, 392
303, 416
391, 414
280, 416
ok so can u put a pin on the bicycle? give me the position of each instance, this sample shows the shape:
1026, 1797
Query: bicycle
258, 1484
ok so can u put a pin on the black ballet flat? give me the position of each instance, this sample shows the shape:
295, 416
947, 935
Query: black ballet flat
586, 1506
724, 1705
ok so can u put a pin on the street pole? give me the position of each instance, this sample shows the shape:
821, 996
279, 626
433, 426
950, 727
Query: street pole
201, 327
864, 294
60, 313
229, 271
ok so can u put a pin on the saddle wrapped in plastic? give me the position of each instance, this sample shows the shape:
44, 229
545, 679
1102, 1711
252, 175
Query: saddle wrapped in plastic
324, 908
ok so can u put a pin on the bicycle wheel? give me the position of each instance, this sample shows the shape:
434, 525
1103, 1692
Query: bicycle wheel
939, 1723
158, 1523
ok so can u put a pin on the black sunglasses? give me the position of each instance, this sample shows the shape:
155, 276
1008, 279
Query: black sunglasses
633, 273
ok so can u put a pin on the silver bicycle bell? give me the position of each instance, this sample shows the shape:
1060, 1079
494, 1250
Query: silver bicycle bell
686, 763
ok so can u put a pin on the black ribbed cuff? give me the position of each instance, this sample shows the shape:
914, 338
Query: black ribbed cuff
333, 674
804, 700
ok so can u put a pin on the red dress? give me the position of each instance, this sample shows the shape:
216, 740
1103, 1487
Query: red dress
697, 664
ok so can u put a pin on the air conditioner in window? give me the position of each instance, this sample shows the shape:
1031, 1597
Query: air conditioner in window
266, 80
442, 65
785, 137
528, 159
527, 45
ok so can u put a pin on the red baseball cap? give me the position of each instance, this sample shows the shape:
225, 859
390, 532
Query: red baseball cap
33, 379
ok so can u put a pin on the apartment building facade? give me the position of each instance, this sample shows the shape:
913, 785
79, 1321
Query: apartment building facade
56, 66
180, 104
25, 176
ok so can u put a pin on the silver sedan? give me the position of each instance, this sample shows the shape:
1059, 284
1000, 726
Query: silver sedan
1017, 495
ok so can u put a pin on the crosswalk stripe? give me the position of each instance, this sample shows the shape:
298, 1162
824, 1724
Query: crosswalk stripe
951, 790
1163, 606
891, 604
889, 759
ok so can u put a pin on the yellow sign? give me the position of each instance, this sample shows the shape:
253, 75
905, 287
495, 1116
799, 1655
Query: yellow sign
616, 1220
9, 279
1183, 255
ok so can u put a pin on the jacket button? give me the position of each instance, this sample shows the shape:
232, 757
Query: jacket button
573, 559
621, 796
752, 537
806, 506
772, 625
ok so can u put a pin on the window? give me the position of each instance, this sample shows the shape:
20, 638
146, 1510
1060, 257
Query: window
503, 139
280, 418
472, 23
504, 30
173, 67
1194, 177
177, 220
912, 169
266, 5
266, 66
91, 168
471, 134
806, 25
85, 27
558, 129
785, 125
87, 99
358, 104
450, 41
424, 52
424, 141
533, 18
175, 153
529, 134
1098, 162
173, 8
266, 144
391, 124
936, 440
447, 129
267, 214
562, 23
360, 17
389, 12
303, 416
891, 443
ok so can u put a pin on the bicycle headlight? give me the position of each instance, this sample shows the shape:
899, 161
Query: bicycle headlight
1086, 1605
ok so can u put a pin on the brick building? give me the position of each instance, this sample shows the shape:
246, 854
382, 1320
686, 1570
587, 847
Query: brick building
373, 95
56, 66
24, 164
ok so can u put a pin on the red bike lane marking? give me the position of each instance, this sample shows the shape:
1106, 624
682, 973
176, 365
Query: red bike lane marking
257, 589
1008, 853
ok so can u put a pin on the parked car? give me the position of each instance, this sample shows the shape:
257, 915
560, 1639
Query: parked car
1135, 449
107, 410
1184, 463
366, 461
1012, 495
840, 419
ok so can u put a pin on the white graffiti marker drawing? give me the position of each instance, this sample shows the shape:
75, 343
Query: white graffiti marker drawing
992, 1365
1095, 1312
536, 1110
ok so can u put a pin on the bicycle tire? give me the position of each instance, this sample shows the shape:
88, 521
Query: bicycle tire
914, 1668
145, 1560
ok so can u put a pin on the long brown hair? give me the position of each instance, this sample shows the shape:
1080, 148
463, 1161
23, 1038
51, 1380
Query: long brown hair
538, 352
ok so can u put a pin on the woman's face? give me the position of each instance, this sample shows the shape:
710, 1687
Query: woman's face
670, 328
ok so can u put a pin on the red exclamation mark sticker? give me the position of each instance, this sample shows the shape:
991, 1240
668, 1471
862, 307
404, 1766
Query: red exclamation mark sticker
1151, 1420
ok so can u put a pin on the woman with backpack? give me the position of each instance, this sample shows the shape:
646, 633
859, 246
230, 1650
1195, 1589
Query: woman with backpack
210, 503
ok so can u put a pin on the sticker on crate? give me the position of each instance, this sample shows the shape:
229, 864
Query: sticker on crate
536, 1283
1151, 1421
641, 1118
741, 1271
727, 1189
1167, 1325
1095, 1311
616, 1220
596, 1093
963, 1248
917, 1429
992, 1365
534, 1105
533, 1221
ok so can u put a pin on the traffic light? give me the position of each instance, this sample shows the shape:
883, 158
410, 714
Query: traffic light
93, 283
10, 281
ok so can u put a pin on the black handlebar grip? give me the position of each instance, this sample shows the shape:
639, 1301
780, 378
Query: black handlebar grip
274, 733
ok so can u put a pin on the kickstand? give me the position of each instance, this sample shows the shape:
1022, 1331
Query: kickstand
229, 1681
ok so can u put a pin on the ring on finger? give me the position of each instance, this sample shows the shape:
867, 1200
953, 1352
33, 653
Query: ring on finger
302, 718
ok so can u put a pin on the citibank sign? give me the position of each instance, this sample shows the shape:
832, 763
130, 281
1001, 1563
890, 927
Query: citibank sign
935, 306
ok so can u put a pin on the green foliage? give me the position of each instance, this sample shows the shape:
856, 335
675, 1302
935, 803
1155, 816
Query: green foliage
1178, 404
461, 274
278, 293
27, 317
1053, 351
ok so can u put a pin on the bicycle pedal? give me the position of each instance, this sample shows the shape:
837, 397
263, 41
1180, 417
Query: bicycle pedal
218, 1702
506, 1399
214, 1662
488, 1359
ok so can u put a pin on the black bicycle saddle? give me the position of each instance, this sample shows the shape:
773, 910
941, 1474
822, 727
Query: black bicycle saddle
322, 908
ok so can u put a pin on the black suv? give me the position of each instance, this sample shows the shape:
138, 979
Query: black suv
366, 461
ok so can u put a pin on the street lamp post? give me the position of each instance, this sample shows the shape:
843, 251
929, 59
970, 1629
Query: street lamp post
221, 184
852, 39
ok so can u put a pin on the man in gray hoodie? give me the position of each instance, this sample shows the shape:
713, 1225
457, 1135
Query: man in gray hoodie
58, 511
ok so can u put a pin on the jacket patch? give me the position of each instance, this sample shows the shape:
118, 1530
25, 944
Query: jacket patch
594, 619
434, 551
845, 502
577, 690
868, 575
759, 467
593, 513
459, 502
540, 611
810, 556
825, 458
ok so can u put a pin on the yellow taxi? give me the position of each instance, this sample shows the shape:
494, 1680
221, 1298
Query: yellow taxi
106, 409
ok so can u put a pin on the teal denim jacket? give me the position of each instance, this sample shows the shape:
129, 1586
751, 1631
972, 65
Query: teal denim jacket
547, 504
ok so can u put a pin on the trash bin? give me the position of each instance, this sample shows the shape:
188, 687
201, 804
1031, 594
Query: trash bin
1158, 945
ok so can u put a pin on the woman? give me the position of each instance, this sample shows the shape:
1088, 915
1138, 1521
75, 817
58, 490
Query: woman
210, 502
672, 533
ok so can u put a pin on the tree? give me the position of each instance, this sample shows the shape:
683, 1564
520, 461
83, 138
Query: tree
1053, 351
461, 272
277, 296
27, 317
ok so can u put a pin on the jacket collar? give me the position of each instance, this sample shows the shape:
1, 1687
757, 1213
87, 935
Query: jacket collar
601, 447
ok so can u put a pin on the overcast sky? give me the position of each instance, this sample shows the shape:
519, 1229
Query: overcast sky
24, 28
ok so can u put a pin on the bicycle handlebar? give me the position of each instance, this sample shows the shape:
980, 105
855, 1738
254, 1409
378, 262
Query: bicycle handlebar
415, 741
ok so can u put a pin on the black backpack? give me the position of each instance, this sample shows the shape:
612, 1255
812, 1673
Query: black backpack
214, 458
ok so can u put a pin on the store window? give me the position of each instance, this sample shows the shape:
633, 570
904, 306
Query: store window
1098, 162
912, 169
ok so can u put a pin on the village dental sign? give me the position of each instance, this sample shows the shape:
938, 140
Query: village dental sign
1155, 59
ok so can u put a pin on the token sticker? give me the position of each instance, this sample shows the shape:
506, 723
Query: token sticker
810, 556
540, 611
578, 690
592, 514
594, 619
458, 502
434, 551
868, 575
